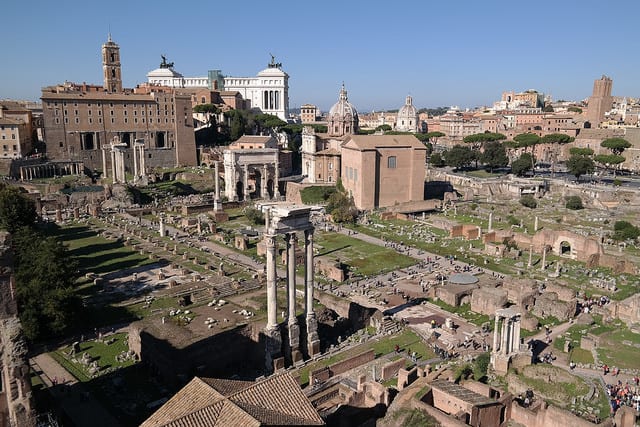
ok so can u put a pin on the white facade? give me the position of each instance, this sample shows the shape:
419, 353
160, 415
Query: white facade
166, 76
268, 91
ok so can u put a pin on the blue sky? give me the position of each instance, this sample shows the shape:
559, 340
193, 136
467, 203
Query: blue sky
463, 52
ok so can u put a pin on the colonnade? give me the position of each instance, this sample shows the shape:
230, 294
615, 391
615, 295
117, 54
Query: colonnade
116, 151
235, 173
49, 170
506, 333
287, 222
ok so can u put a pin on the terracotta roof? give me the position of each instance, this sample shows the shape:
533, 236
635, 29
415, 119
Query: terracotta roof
372, 142
276, 401
329, 152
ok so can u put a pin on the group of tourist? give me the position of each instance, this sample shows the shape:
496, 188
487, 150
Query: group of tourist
624, 395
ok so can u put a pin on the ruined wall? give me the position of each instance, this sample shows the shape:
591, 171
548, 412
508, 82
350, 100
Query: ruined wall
488, 300
16, 407
548, 304
550, 416
390, 370
323, 374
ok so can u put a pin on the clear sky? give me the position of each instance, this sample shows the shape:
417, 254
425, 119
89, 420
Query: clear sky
463, 52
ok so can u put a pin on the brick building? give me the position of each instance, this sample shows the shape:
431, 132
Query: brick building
383, 170
81, 120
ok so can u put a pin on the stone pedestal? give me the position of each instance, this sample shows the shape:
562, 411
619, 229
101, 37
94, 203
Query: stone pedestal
313, 340
273, 345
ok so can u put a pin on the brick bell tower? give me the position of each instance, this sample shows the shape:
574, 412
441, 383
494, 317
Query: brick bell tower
111, 66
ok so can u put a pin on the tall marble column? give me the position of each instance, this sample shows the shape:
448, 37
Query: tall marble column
490, 228
263, 183
135, 162
272, 319
216, 177
313, 340
544, 258
515, 347
496, 334
276, 179
113, 165
292, 324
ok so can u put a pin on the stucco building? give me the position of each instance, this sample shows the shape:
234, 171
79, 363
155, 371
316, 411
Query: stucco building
383, 170
81, 120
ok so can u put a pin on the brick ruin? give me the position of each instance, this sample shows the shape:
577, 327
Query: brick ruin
16, 402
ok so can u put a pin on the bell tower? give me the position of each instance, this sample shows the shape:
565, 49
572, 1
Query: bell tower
111, 66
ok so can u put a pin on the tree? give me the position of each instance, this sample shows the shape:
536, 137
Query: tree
341, 206
574, 203
522, 164
206, 108
16, 209
494, 156
624, 230
384, 128
609, 161
579, 165
480, 366
254, 215
436, 160
45, 275
459, 157
528, 201
478, 140
617, 147
548, 108
580, 151
268, 121
526, 141
433, 136
556, 139
237, 123
574, 109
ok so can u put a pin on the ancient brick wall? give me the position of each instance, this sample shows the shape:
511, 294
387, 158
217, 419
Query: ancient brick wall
390, 370
325, 373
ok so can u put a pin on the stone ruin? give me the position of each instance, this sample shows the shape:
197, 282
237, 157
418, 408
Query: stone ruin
16, 400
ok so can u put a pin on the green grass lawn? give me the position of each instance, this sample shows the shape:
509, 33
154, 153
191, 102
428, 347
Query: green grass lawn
316, 194
97, 254
105, 354
362, 258
465, 312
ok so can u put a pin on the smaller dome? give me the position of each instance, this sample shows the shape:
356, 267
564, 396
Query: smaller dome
343, 107
408, 110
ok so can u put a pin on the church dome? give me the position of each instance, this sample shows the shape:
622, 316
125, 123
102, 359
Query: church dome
407, 120
408, 110
343, 117
343, 107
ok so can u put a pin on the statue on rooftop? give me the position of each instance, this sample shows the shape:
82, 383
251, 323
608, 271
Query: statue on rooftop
164, 63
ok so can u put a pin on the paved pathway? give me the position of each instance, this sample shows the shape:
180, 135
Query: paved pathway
71, 395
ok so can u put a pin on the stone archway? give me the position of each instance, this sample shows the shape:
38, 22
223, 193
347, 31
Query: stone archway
270, 188
565, 248
257, 179
240, 190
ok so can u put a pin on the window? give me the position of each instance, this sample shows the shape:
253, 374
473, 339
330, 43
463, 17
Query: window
15, 148
391, 162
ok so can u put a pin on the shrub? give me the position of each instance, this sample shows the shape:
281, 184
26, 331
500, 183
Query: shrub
254, 215
512, 220
617, 182
528, 201
574, 203
624, 230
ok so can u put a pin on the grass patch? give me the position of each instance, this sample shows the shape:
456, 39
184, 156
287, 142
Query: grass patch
104, 354
316, 194
95, 253
363, 258
465, 312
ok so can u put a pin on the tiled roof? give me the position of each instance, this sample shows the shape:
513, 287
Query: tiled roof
276, 401
372, 142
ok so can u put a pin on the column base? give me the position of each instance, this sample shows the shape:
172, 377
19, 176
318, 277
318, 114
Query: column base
500, 363
273, 346
294, 335
313, 340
